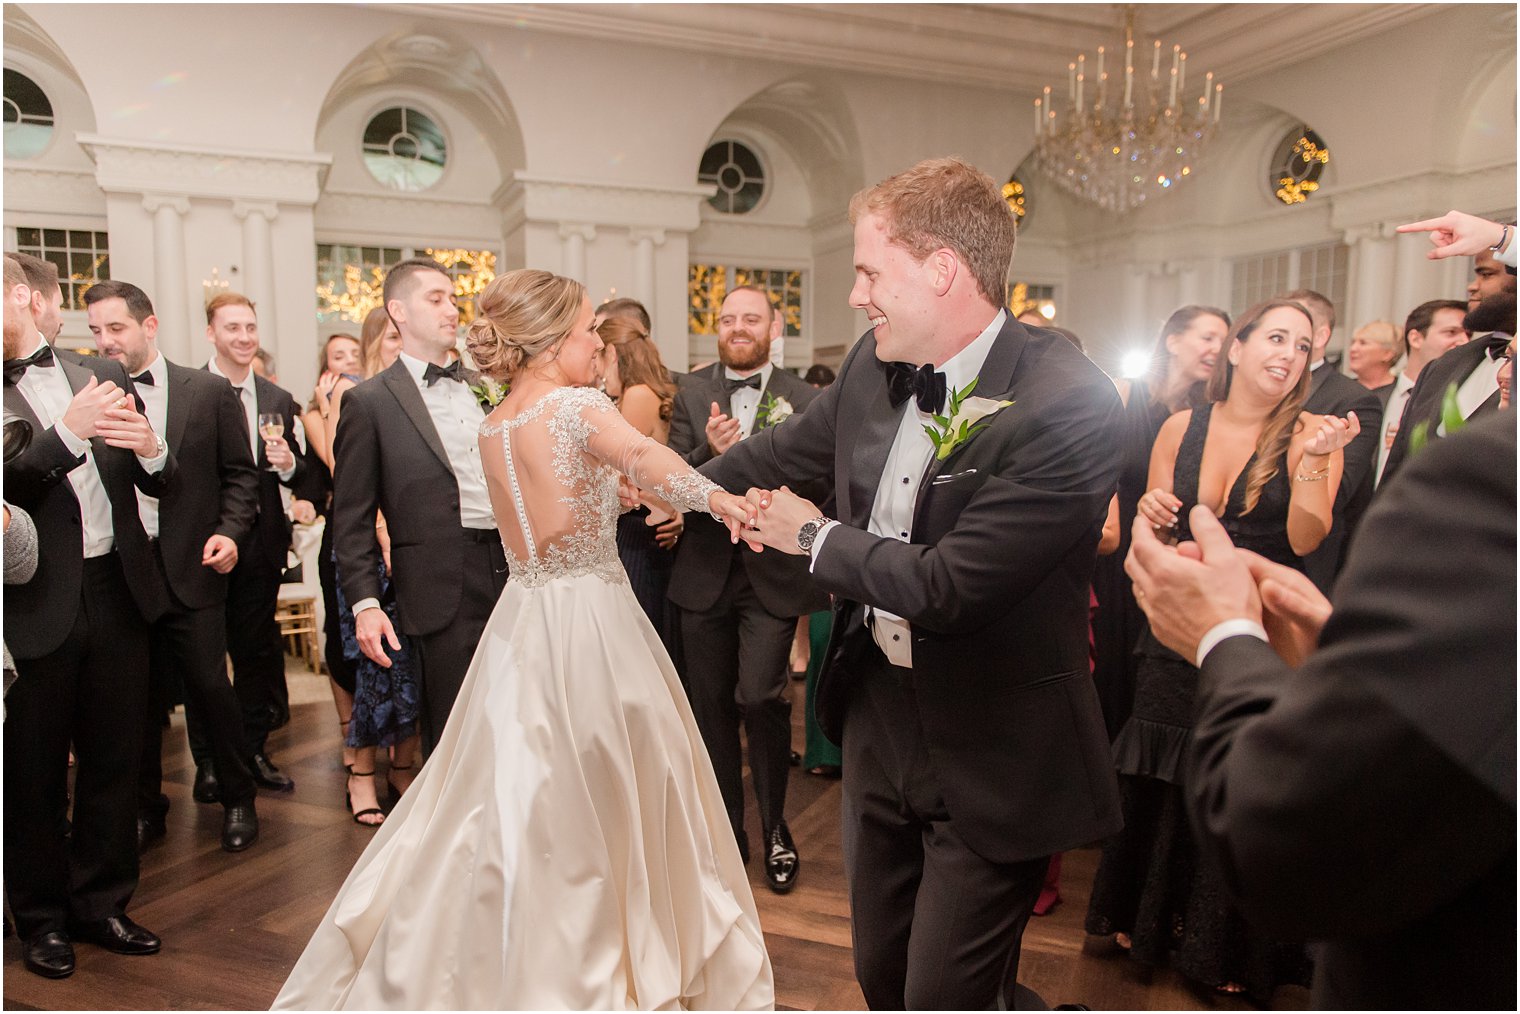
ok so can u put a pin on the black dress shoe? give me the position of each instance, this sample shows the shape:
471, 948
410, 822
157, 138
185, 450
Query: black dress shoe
240, 828
781, 860
117, 933
149, 830
49, 955
267, 775
206, 788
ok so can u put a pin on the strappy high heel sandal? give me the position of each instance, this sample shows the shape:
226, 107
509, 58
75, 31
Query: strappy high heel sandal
396, 792
348, 801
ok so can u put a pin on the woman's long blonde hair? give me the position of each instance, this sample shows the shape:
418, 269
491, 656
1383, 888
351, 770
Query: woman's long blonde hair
375, 324
1277, 432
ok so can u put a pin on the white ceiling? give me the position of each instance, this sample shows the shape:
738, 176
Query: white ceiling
1016, 46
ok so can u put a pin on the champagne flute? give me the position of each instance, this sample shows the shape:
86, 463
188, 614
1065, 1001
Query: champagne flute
271, 427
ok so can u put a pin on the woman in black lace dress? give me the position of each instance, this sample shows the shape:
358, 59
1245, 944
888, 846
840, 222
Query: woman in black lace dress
1271, 472
1180, 366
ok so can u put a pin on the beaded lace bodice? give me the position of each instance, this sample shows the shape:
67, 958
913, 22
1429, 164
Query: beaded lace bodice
553, 475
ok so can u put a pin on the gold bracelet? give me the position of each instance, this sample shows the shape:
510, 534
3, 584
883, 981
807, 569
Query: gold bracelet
1323, 473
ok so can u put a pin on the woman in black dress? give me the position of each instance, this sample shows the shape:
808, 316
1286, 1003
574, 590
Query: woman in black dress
1181, 362
1271, 472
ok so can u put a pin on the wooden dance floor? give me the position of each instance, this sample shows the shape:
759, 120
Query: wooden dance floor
233, 925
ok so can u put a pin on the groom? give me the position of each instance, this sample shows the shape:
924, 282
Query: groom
956, 679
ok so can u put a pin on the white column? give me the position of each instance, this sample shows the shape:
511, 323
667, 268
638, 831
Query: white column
1416, 279
576, 236
1372, 282
171, 296
1189, 283
258, 256
644, 243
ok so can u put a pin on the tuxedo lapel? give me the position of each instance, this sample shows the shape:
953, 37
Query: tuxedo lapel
17, 405
401, 385
996, 375
873, 443
181, 394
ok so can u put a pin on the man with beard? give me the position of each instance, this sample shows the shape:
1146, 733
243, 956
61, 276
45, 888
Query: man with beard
739, 609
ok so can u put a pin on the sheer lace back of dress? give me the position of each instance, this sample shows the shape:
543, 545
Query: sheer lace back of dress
553, 475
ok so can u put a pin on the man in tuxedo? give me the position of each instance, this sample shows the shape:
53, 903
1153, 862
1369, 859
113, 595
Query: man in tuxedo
407, 446
79, 634
956, 678
194, 530
1473, 368
1431, 330
253, 590
739, 610
1360, 789
1333, 393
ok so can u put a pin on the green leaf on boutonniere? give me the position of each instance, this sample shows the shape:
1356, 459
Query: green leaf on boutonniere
950, 431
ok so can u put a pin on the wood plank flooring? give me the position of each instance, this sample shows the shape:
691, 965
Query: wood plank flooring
233, 925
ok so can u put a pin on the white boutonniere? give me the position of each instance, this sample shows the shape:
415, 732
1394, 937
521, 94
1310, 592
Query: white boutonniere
961, 420
488, 392
773, 412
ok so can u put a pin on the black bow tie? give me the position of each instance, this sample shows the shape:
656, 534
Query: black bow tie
925, 384
1498, 344
435, 373
731, 384
145, 377
15, 369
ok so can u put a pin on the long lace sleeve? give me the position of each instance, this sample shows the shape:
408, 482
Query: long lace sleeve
653, 466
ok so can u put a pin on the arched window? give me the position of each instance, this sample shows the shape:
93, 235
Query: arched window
1297, 165
404, 149
738, 175
28, 116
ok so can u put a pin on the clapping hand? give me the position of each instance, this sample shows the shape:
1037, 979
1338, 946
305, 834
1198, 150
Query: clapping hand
722, 430
123, 426
1293, 610
1332, 434
1187, 590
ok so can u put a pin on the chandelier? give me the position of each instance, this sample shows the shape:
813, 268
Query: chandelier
1119, 152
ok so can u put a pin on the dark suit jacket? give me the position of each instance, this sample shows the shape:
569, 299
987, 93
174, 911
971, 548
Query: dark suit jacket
1424, 404
1368, 799
994, 581
389, 457
1333, 393
217, 489
704, 555
39, 614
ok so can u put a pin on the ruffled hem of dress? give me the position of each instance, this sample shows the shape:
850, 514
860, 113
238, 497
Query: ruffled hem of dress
1151, 750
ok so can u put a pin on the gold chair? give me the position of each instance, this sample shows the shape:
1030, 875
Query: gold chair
296, 613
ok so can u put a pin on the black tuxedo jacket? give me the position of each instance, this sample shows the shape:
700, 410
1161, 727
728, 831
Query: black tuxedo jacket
705, 554
1424, 404
1368, 799
39, 614
388, 457
1333, 393
217, 489
994, 582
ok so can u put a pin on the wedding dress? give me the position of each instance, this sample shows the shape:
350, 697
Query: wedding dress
566, 845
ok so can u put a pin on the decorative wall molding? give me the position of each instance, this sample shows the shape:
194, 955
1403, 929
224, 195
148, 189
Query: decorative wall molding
1413, 197
53, 191
360, 214
129, 166
531, 198
268, 210
178, 203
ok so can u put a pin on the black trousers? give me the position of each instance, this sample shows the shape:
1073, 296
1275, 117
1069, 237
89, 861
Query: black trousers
935, 925
188, 647
258, 660
736, 670
90, 692
444, 656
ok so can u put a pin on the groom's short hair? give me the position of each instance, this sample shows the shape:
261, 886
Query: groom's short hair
397, 279
946, 202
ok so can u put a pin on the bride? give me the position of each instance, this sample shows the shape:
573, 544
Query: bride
566, 845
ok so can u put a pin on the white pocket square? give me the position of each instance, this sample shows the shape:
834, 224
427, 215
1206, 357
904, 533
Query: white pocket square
938, 479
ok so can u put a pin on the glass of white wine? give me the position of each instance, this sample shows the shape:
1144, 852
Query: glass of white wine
271, 427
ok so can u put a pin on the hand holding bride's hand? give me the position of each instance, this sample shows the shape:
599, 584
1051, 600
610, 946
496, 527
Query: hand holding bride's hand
738, 515
781, 514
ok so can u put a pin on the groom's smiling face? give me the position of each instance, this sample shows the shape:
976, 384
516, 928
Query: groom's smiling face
895, 291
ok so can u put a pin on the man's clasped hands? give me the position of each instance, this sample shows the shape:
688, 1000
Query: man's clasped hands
760, 518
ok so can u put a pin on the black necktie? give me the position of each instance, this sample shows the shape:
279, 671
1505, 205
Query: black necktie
15, 369
1498, 344
732, 384
923, 383
145, 377
435, 373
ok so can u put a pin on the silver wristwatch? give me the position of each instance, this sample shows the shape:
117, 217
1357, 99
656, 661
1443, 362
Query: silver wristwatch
808, 533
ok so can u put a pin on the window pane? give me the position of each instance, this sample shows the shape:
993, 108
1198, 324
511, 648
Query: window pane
81, 240
29, 237
55, 238
383, 127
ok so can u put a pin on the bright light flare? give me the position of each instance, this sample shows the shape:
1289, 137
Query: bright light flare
1134, 364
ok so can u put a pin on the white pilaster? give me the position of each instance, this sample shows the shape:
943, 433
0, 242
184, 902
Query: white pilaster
644, 241
575, 236
171, 297
258, 265
1372, 278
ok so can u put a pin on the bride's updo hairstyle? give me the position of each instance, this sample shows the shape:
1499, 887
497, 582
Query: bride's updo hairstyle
519, 316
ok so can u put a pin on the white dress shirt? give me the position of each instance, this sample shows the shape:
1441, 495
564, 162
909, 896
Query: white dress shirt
744, 402
46, 389
248, 394
897, 493
1398, 400
1479, 386
155, 398
457, 415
